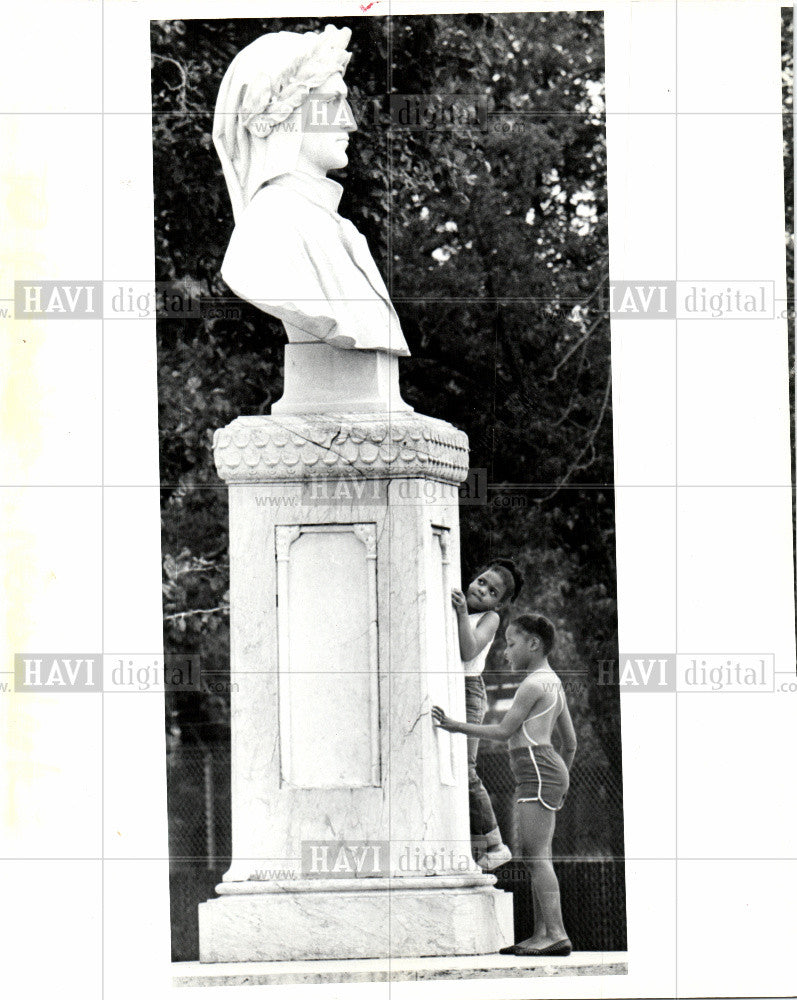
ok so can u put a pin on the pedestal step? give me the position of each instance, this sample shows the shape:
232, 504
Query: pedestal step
400, 923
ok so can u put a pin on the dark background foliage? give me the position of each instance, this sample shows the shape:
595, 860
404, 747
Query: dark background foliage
493, 242
787, 66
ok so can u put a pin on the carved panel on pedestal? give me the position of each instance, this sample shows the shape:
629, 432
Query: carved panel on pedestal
328, 655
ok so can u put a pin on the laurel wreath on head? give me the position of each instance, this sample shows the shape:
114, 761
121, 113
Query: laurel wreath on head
269, 101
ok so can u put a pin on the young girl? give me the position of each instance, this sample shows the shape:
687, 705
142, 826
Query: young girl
538, 711
477, 623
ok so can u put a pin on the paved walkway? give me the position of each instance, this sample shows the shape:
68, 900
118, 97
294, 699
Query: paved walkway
382, 970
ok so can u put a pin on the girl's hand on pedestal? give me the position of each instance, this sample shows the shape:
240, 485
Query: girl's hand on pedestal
441, 720
459, 601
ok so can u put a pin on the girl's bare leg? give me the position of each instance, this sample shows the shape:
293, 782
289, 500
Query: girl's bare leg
536, 830
540, 930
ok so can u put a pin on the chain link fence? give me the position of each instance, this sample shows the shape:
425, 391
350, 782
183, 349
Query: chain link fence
588, 844
198, 796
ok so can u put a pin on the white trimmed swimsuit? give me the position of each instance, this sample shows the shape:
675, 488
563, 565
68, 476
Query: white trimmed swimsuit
539, 771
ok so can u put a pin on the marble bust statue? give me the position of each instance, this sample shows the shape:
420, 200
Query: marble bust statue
291, 254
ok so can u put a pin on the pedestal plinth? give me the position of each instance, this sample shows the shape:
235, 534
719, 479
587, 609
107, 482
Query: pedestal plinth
323, 379
350, 825
357, 918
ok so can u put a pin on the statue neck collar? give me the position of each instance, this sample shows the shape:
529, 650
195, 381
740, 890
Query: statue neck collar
322, 191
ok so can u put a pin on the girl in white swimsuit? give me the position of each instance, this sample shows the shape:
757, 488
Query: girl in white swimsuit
539, 710
540, 772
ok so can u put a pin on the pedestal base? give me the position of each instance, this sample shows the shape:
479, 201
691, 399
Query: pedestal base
397, 923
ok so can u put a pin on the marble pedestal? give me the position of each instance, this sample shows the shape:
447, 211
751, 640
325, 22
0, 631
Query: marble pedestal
374, 918
350, 825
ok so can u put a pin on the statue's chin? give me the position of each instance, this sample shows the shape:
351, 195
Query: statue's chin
323, 158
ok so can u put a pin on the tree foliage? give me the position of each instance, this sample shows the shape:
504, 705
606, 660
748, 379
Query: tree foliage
493, 241
787, 73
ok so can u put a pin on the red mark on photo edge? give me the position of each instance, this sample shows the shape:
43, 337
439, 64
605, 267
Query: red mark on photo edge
367, 6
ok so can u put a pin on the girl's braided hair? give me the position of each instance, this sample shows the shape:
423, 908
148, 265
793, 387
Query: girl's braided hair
513, 572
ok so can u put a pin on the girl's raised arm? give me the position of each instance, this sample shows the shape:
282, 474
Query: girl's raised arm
473, 640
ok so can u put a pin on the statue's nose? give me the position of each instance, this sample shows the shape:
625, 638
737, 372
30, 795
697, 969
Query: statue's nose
349, 122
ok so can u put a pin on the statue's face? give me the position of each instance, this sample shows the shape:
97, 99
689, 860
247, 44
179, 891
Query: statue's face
327, 120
